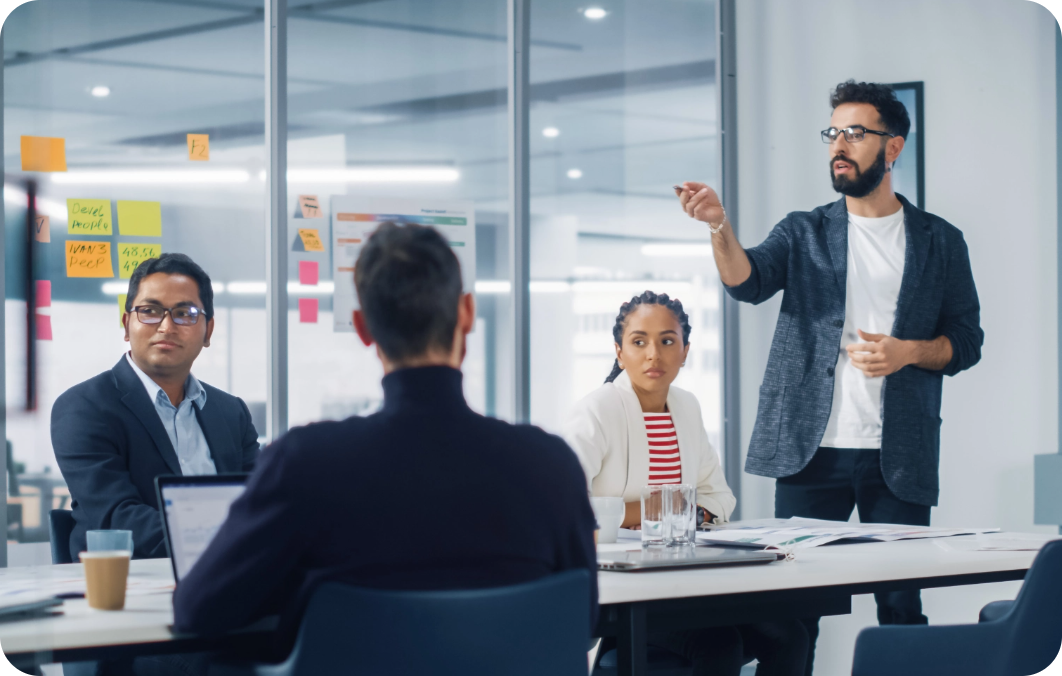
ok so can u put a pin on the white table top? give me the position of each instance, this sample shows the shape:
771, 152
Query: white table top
147, 617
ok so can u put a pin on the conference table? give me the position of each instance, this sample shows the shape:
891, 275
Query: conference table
819, 581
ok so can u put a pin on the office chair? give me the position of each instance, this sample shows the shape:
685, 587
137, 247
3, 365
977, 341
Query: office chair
60, 525
529, 629
1014, 638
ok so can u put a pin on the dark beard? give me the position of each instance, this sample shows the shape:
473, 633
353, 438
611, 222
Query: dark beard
865, 181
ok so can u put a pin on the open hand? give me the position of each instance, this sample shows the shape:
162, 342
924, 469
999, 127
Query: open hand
701, 202
879, 355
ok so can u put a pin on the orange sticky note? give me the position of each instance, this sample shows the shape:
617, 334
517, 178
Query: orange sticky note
121, 307
309, 273
308, 310
43, 153
310, 239
44, 327
88, 259
42, 228
309, 206
44, 293
199, 147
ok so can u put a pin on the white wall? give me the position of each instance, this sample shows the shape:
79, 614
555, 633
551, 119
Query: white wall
989, 69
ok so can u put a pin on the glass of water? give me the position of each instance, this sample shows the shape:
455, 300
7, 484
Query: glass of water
680, 515
109, 540
653, 516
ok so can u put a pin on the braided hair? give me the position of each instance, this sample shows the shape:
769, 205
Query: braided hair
647, 298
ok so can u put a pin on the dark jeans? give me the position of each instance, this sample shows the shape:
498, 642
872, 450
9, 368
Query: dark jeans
780, 647
835, 481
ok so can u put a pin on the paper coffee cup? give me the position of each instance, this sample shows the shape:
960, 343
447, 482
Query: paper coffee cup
106, 573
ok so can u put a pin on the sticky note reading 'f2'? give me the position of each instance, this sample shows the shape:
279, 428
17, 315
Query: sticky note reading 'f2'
88, 217
199, 147
88, 259
132, 255
43, 153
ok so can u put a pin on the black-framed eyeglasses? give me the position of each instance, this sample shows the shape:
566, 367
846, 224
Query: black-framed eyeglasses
183, 315
853, 134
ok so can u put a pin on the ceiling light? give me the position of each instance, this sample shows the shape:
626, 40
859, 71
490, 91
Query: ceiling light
493, 286
247, 288
151, 177
594, 13
100, 91
677, 250
575, 173
551, 132
375, 175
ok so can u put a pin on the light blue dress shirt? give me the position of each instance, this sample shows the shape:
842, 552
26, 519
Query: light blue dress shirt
180, 422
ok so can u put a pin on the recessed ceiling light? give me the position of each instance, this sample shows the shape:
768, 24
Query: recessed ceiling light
575, 173
99, 91
551, 132
594, 13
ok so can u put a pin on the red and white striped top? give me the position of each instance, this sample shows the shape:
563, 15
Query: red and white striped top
665, 465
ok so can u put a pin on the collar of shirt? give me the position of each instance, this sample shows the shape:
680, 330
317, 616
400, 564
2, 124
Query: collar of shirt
193, 390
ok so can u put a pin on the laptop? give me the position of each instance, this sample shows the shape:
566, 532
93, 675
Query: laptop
193, 509
682, 557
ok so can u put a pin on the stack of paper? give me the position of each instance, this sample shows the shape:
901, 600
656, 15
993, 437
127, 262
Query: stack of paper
801, 533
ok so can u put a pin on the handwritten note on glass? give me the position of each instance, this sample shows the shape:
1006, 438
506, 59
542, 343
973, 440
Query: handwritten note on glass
88, 217
199, 147
132, 255
309, 206
140, 219
310, 239
42, 228
43, 153
88, 259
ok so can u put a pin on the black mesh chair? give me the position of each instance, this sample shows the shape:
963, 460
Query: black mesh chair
60, 525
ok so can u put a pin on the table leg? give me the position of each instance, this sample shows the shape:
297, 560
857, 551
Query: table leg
631, 641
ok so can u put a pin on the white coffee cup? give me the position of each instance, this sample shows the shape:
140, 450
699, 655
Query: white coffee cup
609, 514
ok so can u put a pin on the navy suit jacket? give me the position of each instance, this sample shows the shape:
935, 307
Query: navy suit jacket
424, 494
110, 445
806, 255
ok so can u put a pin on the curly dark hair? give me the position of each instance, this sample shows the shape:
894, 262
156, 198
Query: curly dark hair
882, 97
647, 298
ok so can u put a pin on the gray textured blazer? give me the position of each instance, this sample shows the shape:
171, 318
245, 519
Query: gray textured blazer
806, 255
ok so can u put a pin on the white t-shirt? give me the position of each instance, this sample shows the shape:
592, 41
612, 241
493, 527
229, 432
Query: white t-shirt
876, 248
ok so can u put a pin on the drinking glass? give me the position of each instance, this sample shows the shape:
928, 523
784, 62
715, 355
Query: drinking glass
109, 540
653, 516
680, 515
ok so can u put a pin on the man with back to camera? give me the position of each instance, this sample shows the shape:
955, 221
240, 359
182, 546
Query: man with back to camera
113, 434
342, 500
879, 306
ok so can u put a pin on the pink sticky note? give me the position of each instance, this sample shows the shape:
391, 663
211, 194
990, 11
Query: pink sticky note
44, 327
308, 273
44, 293
308, 310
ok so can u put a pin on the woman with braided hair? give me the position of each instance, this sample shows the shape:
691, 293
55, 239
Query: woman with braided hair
638, 430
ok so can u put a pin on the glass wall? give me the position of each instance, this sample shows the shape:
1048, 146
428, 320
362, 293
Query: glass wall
623, 107
124, 83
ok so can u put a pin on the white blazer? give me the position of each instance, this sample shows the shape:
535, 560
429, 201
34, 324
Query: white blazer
607, 431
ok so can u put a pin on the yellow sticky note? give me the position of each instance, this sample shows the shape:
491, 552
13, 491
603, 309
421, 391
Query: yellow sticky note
42, 228
43, 153
121, 308
88, 217
140, 219
199, 147
131, 255
88, 259
310, 239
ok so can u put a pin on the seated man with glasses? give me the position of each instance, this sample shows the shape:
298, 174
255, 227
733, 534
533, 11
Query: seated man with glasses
113, 434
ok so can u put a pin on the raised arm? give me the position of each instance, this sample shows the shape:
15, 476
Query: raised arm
98, 475
702, 203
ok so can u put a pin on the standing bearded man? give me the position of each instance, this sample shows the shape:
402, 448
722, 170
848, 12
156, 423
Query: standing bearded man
879, 306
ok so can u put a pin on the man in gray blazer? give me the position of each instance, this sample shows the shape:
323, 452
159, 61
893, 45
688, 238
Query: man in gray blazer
879, 306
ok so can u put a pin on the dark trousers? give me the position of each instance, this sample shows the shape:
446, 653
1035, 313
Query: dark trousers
780, 647
834, 482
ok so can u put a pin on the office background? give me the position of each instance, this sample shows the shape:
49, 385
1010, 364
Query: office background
620, 108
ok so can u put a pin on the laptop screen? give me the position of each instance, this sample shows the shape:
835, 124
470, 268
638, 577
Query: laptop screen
194, 512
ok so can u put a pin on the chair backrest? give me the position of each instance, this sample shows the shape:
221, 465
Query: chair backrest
60, 525
1035, 621
535, 628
